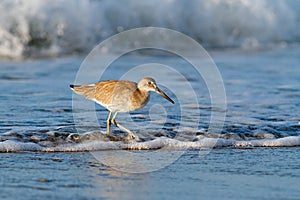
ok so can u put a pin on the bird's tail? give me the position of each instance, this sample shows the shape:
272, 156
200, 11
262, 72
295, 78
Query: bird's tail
86, 90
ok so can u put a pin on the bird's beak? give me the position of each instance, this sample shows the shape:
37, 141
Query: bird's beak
157, 90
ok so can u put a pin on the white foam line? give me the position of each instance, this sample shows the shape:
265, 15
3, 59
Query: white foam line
13, 146
86, 146
290, 141
162, 142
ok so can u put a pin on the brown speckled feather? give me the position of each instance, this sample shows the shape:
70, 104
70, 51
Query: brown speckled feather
115, 95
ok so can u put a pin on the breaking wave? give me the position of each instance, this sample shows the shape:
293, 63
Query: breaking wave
99, 142
54, 27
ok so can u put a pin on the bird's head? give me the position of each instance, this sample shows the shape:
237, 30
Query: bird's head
149, 85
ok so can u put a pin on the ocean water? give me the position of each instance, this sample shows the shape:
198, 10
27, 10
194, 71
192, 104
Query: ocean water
255, 156
52, 141
262, 98
260, 173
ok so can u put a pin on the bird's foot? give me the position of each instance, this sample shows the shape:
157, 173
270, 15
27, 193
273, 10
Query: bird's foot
132, 136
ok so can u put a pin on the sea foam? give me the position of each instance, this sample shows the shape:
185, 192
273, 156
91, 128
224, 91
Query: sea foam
158, 143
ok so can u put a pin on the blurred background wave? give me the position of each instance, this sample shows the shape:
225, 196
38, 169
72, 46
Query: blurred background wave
34, 28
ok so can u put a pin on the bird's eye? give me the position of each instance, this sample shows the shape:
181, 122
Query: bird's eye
149, 83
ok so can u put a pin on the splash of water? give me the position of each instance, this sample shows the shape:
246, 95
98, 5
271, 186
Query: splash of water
50, 28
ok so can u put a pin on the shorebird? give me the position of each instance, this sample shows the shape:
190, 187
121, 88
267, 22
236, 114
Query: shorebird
119, 96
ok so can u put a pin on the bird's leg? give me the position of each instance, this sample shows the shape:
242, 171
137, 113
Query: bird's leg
131, 135
108, 123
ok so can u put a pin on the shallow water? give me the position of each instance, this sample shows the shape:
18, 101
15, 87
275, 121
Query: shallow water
260, 173
262, 113
262, 104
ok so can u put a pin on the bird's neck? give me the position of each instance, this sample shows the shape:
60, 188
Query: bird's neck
140, 98
141, 94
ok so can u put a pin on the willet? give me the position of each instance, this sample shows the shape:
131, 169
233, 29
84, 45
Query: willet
120, 96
